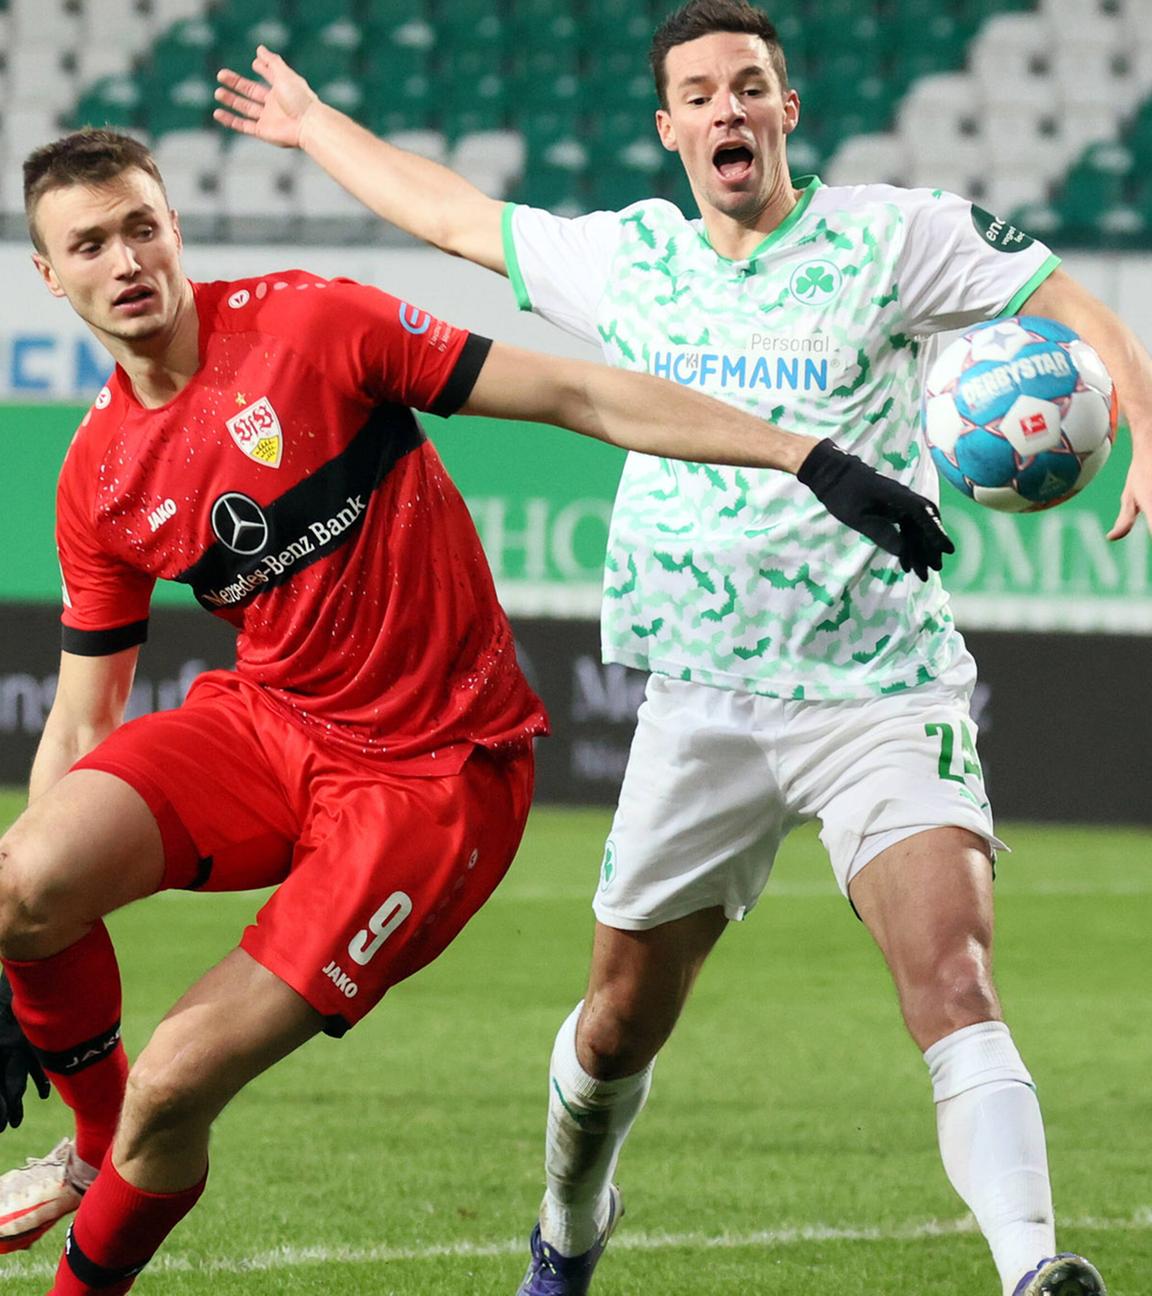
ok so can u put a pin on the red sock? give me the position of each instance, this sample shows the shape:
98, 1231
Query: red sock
69, 1008
116, 1232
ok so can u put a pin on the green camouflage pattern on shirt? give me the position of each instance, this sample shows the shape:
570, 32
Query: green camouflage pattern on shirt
738, 577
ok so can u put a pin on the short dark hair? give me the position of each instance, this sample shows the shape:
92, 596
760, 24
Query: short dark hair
86, 157
702, 18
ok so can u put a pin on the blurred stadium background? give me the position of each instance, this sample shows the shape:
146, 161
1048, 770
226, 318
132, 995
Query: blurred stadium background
1042, 112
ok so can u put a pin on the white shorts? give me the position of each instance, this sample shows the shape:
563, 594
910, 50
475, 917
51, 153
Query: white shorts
717, 778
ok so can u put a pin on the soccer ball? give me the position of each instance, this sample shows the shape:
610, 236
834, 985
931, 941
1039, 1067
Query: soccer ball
1019, 413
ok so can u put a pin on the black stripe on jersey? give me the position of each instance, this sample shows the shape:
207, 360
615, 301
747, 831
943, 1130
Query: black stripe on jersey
463, 378
312, 519
102, 643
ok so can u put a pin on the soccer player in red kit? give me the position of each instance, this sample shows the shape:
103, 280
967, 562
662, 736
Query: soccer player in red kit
371, 753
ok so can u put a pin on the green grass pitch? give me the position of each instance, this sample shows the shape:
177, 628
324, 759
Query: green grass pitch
789, 1142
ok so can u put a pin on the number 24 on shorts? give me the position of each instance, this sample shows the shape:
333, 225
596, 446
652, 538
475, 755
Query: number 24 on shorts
969, 761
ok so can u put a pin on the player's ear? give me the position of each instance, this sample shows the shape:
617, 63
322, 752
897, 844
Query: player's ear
666, 131
791, 111
175, 216
45, 271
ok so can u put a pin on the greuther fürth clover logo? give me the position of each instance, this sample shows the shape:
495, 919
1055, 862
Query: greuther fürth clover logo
815, 282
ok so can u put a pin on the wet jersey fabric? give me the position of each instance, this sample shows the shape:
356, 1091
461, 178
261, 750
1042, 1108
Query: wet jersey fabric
737, 577
291, 487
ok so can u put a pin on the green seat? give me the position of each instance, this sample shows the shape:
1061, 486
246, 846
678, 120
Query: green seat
384, 64
477, 105
187, 105
113, 101
311, 18
1139, 136
236, 42
391, 13
321, 64
185, 50
554, 189
404, 104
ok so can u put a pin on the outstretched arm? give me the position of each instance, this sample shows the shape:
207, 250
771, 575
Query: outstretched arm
654, 416
1061, 298
420, 197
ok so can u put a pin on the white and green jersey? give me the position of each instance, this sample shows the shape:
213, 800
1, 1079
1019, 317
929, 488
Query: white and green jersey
738, 577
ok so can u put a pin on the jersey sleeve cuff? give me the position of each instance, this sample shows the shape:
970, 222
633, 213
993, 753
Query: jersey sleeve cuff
1012, 307
102, 643
462, 379
512, 261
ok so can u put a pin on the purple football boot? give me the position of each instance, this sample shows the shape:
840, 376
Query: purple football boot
1063, 1275
552, 1274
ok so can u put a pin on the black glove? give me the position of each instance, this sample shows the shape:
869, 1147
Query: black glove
18, 1061
890, 515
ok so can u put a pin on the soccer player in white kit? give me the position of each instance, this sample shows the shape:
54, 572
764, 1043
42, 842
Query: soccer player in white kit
797, 673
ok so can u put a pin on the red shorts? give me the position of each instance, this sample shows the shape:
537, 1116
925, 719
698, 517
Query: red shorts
375, 872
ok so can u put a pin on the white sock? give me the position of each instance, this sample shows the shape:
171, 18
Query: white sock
992, 1143
588, 1121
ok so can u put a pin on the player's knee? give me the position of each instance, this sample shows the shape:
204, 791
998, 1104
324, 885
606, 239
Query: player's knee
620, 1038
953, 991
165, 1095
32, 891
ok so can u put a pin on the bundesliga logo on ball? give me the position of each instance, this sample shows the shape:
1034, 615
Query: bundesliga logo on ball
1020, 414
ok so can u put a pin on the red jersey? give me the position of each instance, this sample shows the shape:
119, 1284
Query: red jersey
292, 488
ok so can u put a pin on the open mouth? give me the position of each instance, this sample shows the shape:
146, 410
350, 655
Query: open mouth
134, 296
733, 162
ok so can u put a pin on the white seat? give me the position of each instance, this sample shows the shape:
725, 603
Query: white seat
167, 12
318, 196
247, 156
938, 119
123, 19
42, 22
253, 194
870, 159
1010, 57
187, 192
38, 78
492, 160
198, 149
96, 60
1004, 194
425, 143
1088, 125
941, 176
26, 129
12, 187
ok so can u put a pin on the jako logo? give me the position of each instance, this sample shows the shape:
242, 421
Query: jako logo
415, 320
342, 981
159, 516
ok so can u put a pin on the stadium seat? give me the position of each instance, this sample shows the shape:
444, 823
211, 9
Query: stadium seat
869, 159
185, 106
99, 58
939, 120
492, 160
328, 210
184, 50
37, 77
425, 143
52, 23
114, 101
26, 129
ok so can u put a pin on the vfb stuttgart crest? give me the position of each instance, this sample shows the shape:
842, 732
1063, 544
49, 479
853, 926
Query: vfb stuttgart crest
256, 430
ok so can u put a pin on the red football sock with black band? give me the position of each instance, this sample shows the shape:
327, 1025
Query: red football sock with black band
117, 1230
68, 1007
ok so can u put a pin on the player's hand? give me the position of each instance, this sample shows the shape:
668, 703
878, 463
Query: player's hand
889, 514
17, 1063
274, 112
1136, 497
